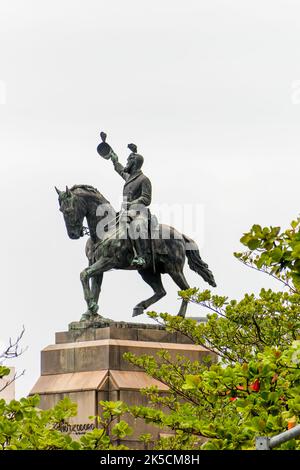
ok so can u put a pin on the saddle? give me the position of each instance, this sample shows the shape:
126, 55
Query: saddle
158, 244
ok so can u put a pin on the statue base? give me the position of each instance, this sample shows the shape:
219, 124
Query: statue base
86, 364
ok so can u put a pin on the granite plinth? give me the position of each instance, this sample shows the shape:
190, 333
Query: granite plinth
86, 363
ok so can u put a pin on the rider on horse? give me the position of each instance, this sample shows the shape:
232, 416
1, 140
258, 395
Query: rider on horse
137, 195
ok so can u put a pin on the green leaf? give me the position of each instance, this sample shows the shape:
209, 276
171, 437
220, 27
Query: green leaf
191, 382
121, 430
245, 239
276, 254
4, 371
296, 280
253, 243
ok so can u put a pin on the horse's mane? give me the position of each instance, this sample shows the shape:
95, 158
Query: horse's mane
87, 190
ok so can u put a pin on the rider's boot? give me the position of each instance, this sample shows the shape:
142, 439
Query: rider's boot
139, 260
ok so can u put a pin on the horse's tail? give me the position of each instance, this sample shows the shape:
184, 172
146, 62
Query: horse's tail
196, 263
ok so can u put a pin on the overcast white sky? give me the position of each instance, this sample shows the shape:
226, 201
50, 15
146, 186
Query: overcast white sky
206, 89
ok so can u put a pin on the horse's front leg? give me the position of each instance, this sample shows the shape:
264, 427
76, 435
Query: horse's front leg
88, 296
91, 295
96, 286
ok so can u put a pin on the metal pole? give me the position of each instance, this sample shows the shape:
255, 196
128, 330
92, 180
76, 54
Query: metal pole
285, 436
268, 443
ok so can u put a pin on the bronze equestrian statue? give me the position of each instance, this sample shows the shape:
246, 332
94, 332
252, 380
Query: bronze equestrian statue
121, 240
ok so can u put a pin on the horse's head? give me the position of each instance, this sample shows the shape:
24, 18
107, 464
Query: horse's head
74, 211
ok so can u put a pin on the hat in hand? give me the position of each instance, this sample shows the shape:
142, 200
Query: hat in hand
103, 148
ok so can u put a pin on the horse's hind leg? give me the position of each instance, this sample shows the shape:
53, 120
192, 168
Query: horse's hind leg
154, 280
180, 280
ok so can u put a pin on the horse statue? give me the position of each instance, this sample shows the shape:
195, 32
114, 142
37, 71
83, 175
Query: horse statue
112, 251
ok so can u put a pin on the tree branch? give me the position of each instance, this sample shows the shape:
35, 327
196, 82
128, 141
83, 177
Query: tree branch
12, 349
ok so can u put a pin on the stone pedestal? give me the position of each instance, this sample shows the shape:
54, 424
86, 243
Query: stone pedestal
86, 363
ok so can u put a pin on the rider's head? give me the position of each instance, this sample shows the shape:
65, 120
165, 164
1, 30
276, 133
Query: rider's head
134, 163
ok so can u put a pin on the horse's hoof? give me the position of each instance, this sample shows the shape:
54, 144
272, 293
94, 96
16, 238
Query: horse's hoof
85, 317
93, 309
89, 316
137, 311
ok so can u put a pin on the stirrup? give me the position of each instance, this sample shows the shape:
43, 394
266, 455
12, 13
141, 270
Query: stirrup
138, 261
